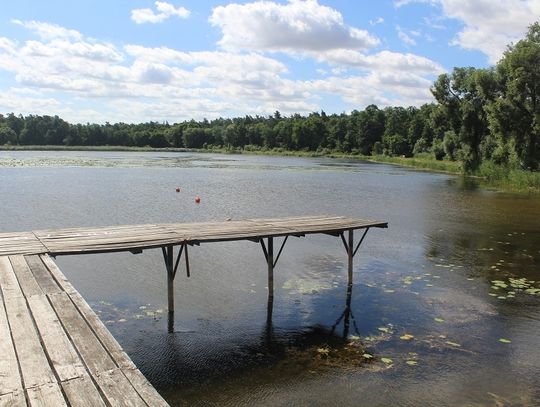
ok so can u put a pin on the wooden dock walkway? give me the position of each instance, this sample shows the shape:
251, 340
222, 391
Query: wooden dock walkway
55, 351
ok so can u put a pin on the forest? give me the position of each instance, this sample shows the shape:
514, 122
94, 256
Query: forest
478, 116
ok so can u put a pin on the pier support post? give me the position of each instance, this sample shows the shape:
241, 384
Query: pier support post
168, 257
350, 256
270, 261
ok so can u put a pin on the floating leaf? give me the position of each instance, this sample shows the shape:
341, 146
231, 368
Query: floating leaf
412, 362
383, 329
387, 361
429, 285
457, 345
122, 320
439, 320
367, 356
354, 338
503, 340
389, 291
406, 337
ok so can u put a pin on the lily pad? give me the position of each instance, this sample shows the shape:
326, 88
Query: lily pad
384, 329
406, 337
412, 362
387, 361
367, 356
504, 340
440, 320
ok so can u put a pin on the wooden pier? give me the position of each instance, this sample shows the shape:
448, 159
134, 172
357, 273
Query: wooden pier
55, 351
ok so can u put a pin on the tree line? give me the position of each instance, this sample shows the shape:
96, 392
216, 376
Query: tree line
478, 115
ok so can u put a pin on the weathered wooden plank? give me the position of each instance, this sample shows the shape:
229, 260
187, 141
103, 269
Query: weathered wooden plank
15, 399
8, 280
118, 390
42, 275
26, 280
106, 338
61, 352
92, 352
47, 395
144, 388
82, 392
9, 368
32, 360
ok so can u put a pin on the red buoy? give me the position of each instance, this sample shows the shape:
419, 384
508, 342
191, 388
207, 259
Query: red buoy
177, 189
197, 199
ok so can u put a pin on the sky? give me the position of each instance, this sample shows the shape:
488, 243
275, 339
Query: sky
136, 61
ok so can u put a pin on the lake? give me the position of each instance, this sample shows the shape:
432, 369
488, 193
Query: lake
444, 311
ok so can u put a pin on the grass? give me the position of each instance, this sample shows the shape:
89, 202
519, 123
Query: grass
491, 176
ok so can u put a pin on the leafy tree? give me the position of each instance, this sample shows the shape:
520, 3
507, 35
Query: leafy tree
7, 135
515, 114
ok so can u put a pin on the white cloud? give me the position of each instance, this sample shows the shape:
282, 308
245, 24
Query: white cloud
385, 61
401, 3
403, 36
490, 25
48, 31
297, 26
164, 11
64, 73
377, 21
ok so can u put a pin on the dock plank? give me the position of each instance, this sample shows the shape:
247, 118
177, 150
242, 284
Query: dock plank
26, 280
82, 392
15, 399
118, 390
42, 276
112, 346
9, 368
61, 352
92, 352
32, 360
47, 395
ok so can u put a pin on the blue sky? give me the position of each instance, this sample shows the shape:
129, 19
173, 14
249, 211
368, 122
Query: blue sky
173, 60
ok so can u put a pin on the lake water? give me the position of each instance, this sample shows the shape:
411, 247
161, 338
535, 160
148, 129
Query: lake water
457, 269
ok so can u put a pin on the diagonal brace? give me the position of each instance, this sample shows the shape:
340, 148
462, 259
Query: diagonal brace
280, 250
360, 242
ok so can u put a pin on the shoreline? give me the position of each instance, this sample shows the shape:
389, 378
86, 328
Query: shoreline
490, 177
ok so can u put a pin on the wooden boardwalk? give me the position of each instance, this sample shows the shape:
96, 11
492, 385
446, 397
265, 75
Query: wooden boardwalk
54, 350
133, 237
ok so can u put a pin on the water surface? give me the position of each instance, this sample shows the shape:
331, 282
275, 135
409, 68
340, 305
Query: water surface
458, 270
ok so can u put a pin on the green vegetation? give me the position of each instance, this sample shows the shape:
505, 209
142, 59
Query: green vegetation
485, 123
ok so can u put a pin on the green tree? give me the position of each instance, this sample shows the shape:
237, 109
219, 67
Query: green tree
514, 116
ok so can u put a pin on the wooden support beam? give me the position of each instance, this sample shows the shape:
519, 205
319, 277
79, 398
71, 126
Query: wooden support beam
350, 256
270, 261
168, 257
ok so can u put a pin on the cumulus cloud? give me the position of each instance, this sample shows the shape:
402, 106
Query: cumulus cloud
163, 12
297, 26
490, 25
63, 72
